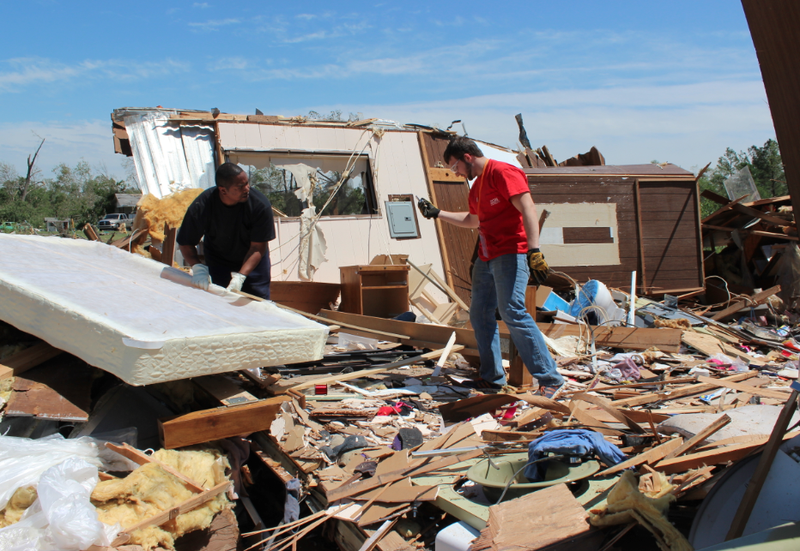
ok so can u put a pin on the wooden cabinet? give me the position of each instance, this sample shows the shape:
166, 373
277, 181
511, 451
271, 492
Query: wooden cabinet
375, 290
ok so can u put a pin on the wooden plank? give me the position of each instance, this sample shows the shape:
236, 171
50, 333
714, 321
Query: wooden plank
212, 424
642, 287
650, 456
606, 406
716, 456
700, 436
747, 389
168, 245
755, 300
26, 359
381, 369
453, 412
687, 390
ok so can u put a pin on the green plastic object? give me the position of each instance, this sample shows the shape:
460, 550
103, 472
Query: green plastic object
495, 475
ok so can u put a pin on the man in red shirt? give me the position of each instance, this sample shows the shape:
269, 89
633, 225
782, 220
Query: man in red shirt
501, 207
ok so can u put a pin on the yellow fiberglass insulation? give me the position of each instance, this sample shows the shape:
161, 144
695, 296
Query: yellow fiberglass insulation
150, 490
627, 504
171, 209
19, 502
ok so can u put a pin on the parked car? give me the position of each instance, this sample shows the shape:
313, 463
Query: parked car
114, 221
8, 226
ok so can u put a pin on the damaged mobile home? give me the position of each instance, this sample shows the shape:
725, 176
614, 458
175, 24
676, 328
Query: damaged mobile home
601, 221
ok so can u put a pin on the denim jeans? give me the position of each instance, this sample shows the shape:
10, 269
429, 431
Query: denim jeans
501, 283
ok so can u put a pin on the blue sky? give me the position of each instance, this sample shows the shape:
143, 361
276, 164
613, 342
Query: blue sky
673, 81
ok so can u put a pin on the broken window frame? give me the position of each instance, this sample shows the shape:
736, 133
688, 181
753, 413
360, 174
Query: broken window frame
371, 208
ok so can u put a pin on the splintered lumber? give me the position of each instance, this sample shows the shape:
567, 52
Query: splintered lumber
380, 480
650, 456
700, 436
715, 456
460, 410
687, 390
763, 392
26, 359
544, 403
224, 422
755, 300
365, 372
606, 406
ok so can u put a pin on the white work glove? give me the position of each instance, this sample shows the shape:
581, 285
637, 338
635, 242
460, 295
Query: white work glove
237, 280
200, 277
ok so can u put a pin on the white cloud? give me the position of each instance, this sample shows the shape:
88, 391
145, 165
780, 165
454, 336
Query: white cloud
26, 72
65, 142
214, 24
688, 125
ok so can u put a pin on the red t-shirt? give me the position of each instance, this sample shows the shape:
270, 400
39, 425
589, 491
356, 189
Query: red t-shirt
501, 229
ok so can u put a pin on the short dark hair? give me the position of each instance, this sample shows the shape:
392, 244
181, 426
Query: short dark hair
226, 173
459, 146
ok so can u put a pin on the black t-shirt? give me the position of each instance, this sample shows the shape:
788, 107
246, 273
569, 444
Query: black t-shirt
227, 231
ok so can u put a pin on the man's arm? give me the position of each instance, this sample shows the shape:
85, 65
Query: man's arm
255, 254
189, 253
524, 203
462, 219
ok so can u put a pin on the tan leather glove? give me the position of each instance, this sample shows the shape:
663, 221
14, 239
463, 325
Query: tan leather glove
539, 268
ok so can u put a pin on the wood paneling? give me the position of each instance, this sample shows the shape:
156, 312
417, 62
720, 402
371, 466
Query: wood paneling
667, 247
457, 244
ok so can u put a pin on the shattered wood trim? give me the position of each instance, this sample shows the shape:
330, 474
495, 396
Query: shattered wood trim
202, 426
687, 390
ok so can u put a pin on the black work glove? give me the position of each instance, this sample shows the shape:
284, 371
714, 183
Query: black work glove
427, 209
539, 268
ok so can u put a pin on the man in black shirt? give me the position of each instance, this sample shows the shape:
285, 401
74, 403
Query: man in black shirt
235, 223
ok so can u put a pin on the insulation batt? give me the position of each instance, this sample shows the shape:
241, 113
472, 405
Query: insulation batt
21, 499
149, 490
627, 504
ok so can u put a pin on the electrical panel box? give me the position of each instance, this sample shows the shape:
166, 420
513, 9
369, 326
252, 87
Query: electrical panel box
402, 219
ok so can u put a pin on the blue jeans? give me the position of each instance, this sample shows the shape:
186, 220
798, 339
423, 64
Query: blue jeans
501, 282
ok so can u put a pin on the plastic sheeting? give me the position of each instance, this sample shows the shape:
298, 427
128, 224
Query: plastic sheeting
115, 311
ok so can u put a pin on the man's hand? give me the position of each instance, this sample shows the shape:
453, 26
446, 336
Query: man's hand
237, 280
539, 268
427, 209
200, 277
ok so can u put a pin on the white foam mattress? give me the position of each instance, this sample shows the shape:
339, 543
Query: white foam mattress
114, 310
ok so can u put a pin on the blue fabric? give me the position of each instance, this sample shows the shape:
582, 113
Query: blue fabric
577, 442
502, 282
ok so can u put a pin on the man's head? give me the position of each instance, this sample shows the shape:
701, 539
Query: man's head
233, 184
464, 157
